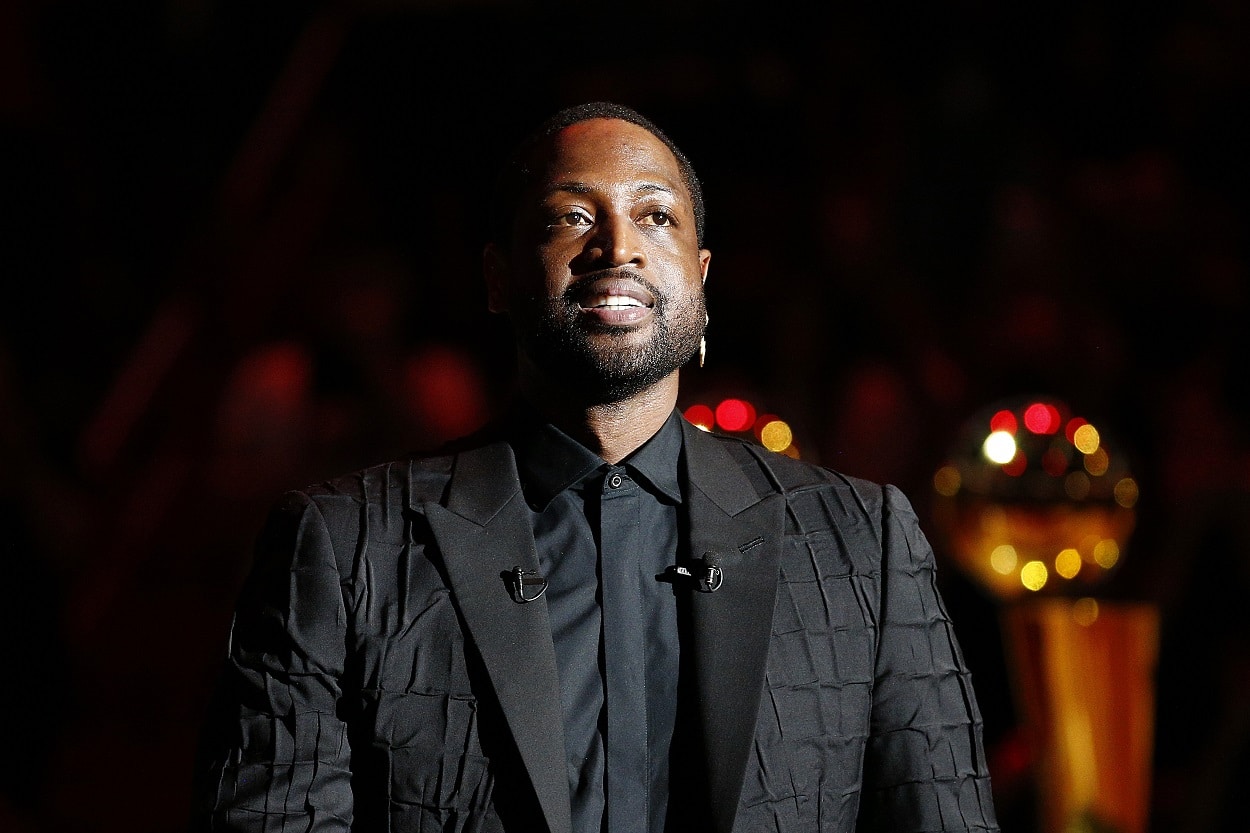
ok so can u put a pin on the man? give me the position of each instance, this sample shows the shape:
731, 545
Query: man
594, 617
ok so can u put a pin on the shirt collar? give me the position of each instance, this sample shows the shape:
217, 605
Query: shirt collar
658, 460
550, 461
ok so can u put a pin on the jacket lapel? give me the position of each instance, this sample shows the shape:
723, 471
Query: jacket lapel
731, 627
483, 533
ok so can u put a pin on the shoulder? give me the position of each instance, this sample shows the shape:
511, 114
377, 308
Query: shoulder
382, 495
395, 481
816, 495
769, 471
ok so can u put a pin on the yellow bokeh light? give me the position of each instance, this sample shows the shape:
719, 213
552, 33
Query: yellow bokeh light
1003, 559
1086, 439
1068, 563
946, 481
776, 436
1106, 553
1085, 611
999, 447
1033, 575
791, 450
1096, 462
1126, 493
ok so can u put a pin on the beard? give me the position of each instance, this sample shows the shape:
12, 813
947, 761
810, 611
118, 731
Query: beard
594, 361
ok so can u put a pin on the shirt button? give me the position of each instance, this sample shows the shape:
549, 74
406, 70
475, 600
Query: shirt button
615, 481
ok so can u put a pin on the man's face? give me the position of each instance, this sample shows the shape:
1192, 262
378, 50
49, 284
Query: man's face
604, 280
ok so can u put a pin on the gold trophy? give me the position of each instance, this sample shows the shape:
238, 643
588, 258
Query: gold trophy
1037, 507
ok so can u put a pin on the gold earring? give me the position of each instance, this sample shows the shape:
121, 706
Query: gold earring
703, 340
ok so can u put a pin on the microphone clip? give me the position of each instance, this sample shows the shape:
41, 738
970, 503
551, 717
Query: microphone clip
522, 583
707, 574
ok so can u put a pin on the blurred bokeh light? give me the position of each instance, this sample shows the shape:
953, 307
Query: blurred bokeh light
1032, 499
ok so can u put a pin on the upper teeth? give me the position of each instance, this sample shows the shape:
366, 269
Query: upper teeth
616, 301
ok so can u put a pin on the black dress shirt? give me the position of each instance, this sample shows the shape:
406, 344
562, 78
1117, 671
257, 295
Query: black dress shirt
604, 535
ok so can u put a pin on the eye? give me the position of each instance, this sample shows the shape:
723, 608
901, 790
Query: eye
576, 217
659, 217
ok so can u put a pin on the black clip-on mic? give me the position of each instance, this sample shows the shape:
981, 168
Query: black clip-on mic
519, 579
709, 576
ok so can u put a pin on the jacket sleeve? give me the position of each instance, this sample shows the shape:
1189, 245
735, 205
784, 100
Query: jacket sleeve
924, 762
273, 752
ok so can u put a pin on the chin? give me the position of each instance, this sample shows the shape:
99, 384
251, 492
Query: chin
601, 364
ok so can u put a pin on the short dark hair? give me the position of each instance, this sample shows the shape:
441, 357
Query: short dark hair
515, 173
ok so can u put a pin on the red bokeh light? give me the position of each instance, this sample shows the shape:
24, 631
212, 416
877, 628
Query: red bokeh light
445, 392
1004, 421
735, 414
1073, 425
1041, 418
761, 421
1055, 462
701, 415
1017, 465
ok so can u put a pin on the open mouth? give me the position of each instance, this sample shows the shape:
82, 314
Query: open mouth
614, 293
615, 300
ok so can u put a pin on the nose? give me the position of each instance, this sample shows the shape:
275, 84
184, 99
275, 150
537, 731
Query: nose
616, 242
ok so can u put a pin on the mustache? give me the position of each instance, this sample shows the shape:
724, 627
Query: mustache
581, 286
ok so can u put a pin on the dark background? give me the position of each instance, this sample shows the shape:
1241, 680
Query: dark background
242, 255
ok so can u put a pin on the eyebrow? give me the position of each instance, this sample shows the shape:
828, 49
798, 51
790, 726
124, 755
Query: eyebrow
576, 187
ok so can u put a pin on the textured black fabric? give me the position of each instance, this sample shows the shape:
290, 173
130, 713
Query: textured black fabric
864, 676
379, 670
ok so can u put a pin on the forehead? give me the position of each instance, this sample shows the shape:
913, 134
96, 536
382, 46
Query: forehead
606, 151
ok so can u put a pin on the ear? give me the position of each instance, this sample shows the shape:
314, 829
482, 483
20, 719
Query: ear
705, 257
496, 271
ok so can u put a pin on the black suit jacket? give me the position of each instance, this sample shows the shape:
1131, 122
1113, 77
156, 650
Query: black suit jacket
380, 671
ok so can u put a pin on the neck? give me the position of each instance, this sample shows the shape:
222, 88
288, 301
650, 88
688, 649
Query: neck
613, 430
